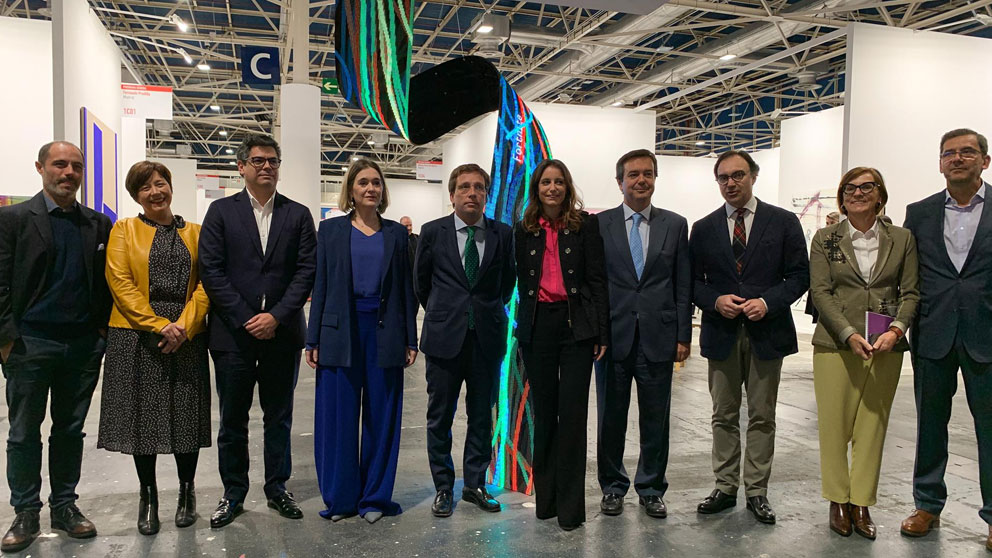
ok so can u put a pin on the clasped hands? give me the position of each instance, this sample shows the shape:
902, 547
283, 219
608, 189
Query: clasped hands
730, 306
865, 350
173, 336
262, 326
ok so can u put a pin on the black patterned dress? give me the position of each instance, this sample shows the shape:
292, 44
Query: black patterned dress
152, 402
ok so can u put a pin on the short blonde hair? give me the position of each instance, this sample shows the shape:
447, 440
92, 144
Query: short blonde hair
345, 203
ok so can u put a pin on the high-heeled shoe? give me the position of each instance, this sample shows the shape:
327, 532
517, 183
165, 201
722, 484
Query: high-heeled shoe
186, 507
148, 523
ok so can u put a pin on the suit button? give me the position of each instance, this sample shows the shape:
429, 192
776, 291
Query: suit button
532, 273
573, 288
571, 271
568, 250
537, 234
566, 231
380, 323
532, 252
530, 292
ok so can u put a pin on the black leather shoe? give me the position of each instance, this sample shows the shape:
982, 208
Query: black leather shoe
654, 506
186, 507
68, 518
225, 513
148, 523
480, 497
762, 510
717, 501
611, 504
442, 503
23, 531
286, 506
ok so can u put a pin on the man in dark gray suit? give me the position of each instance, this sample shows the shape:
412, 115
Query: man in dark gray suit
650, 276
953, 230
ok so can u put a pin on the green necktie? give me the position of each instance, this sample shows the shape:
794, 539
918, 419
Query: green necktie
471, 269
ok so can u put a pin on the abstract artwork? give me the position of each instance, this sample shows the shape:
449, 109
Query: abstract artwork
100, 157
373, 54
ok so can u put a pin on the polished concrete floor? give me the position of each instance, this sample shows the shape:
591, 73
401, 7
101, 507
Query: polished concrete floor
108, 495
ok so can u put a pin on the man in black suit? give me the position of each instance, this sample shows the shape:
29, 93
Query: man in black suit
953, 230
464, 276
257, 263
650, 278
749, 265
412, 238
54, 308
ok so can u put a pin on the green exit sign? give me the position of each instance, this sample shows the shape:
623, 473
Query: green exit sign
329, 85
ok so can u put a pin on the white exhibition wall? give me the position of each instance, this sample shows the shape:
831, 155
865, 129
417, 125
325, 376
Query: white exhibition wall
420, 200
905, 89
589, 140
811, 165
26, 49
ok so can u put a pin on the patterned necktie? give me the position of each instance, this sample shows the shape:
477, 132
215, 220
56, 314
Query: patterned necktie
636, 248
471, 268
740, 239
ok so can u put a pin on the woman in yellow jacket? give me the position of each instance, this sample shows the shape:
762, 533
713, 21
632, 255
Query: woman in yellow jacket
862, 264
156, 383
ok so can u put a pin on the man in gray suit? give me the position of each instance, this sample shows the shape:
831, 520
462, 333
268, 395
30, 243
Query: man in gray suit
953, 230
649, 272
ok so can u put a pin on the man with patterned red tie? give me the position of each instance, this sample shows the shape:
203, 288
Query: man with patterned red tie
749, 265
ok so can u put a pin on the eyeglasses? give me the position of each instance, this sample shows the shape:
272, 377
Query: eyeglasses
968, 154
723, 179
865, 188
259, 162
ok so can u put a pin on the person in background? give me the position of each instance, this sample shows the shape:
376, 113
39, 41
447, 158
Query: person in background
362, 333
859, 265
745, 291
256, 259
156, 379
54, 306
562, 328
650, 282
464, 278
950, 332
412, 238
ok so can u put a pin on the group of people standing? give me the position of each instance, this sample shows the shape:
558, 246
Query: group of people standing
612, 291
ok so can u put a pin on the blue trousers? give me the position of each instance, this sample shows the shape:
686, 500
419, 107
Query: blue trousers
352, 479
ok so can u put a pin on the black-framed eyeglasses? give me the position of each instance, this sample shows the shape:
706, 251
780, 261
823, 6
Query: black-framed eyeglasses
968, 154
259, 162
865, 188
723, 179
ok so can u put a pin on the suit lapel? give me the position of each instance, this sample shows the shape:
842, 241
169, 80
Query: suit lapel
450, 238
719, 222
984, 229
762, 216
491, 245
247, 217
388, 242
846, 246
87, 227
617, 230
43, 223
275, 225
657, 232
884, 249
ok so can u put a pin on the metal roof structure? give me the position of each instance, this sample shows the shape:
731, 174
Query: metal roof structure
717, 73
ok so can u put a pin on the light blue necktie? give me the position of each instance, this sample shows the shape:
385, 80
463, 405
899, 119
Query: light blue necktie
636, 250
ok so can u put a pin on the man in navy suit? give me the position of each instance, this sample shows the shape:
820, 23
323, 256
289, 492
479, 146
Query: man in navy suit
464, 276
257, 263
953, 230
650, 278
749, 265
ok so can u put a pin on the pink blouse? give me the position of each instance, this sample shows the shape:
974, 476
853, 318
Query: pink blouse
552, 287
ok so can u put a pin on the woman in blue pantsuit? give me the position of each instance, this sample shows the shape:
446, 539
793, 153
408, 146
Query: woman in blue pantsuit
362, 333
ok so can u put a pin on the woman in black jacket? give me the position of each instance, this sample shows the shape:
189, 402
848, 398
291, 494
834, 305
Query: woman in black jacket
561, 328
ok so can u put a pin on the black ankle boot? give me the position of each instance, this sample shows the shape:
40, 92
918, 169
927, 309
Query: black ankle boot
186, 508
148, 510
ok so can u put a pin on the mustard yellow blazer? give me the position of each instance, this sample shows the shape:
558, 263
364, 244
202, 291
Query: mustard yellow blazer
127, 276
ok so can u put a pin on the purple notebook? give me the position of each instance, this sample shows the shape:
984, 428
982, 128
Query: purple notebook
875, 325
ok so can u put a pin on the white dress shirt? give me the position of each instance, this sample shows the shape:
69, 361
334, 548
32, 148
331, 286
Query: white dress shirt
461, 235
263, 217
644, 229
865, 249
961, 225
750, 206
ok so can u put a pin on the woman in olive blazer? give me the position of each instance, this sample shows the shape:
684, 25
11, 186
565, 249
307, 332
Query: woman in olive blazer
858, 265
561, 326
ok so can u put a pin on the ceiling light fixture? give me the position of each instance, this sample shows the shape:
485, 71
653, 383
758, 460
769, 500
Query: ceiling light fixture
700, 142
355, 158
618, 103
223, 132
203, 67
215, 108
485, 29
727, 57
229, 151
178, 22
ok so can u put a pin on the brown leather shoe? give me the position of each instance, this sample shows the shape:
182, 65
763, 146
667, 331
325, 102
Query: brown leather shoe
68, 518
22, 532
840, 519
861, 520
919, 523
